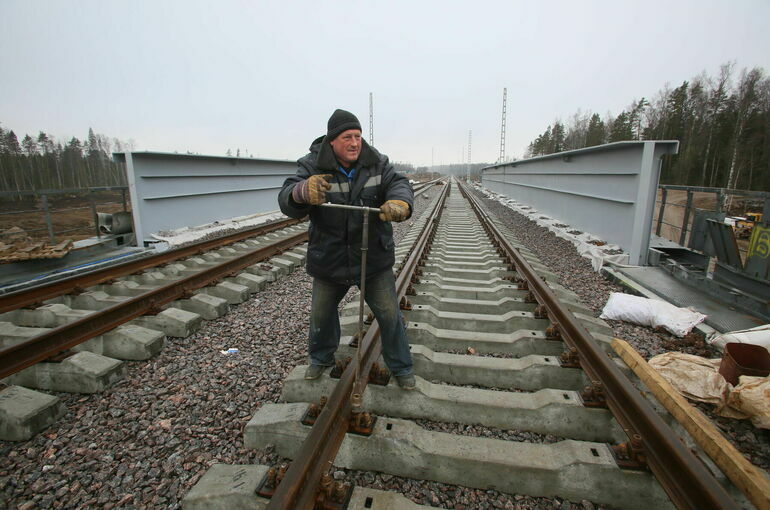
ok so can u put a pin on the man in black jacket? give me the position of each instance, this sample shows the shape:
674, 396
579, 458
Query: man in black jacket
342, 168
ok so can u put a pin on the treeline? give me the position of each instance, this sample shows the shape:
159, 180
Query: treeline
722, 124
406, 168
459, 169
42, 162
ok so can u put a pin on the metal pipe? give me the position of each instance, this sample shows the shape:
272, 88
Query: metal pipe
351, 207
362, 289
662, 209
94, 214
362, 284
686, 220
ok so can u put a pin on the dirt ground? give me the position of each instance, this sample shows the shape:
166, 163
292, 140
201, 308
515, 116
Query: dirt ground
71, 215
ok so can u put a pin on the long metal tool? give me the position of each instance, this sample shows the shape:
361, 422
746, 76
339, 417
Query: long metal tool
362, 286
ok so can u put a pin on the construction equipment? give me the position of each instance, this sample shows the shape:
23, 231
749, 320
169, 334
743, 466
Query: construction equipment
744, 226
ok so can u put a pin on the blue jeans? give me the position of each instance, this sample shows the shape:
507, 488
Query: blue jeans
382, 300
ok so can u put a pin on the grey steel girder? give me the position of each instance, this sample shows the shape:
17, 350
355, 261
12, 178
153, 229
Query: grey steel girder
607, 190
170, 191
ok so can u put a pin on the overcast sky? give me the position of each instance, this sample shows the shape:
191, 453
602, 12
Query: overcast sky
265, 76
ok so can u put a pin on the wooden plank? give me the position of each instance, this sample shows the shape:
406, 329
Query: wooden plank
747, 477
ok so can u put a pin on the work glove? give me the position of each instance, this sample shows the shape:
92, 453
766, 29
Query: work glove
394, 210
312, 190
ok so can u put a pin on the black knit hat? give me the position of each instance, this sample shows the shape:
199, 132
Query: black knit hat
340, 121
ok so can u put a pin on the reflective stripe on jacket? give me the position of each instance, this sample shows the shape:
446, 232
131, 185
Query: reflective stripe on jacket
334, 250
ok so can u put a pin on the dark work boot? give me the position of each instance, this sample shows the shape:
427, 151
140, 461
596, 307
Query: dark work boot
406, 382
314, 371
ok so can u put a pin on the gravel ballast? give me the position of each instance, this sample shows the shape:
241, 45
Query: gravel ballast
146, 441
576, 273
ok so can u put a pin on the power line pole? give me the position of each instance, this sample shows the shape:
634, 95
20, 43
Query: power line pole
371, 120
470, 132
502, 130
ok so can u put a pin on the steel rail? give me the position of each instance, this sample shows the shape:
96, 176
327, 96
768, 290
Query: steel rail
19, 299
54, 341
22, 298
299, 487
683, 476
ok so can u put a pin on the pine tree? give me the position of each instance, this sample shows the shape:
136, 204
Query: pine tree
715, 107
50, 161
5, 171
744, 100
543, 143
73, 165
30, 146
621, 128
635, 117
723, 130
595, 134
557, 138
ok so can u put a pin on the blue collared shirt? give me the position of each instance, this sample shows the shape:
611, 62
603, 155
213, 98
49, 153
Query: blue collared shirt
351, 174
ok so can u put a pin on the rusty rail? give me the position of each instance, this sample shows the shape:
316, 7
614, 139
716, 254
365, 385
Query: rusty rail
684, 477
299, 487
20, 299
64, 337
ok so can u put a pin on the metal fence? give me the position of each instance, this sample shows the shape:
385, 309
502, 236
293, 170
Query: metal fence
47, 211
682, 210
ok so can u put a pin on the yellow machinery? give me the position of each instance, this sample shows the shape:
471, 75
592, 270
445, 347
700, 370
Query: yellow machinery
743, 227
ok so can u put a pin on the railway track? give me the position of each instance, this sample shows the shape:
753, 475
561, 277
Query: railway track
72, 335
497, 344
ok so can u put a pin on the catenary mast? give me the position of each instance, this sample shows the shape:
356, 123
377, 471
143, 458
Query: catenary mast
470, 132
502, 130
371, 120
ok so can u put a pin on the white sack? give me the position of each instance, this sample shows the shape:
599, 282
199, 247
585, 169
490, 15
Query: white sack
755, 336
651, 312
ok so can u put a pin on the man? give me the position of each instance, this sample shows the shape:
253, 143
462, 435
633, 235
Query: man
342, 168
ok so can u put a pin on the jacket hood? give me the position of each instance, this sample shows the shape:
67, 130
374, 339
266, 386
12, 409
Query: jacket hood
325, 159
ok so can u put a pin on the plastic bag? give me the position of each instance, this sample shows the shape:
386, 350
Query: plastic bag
755, 336
694, 377
698, 379
752, 396
651, 312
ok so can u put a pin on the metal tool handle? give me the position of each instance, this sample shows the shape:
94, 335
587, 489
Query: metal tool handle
362, 285
352, 207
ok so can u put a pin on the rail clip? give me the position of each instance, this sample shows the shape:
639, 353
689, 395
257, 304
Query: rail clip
631, 454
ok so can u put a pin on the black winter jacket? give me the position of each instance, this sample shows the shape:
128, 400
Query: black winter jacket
334, 251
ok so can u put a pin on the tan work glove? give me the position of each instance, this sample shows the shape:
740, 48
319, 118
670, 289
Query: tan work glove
394, 210
312, 190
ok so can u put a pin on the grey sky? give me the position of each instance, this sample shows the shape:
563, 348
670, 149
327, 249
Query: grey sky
265, 76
